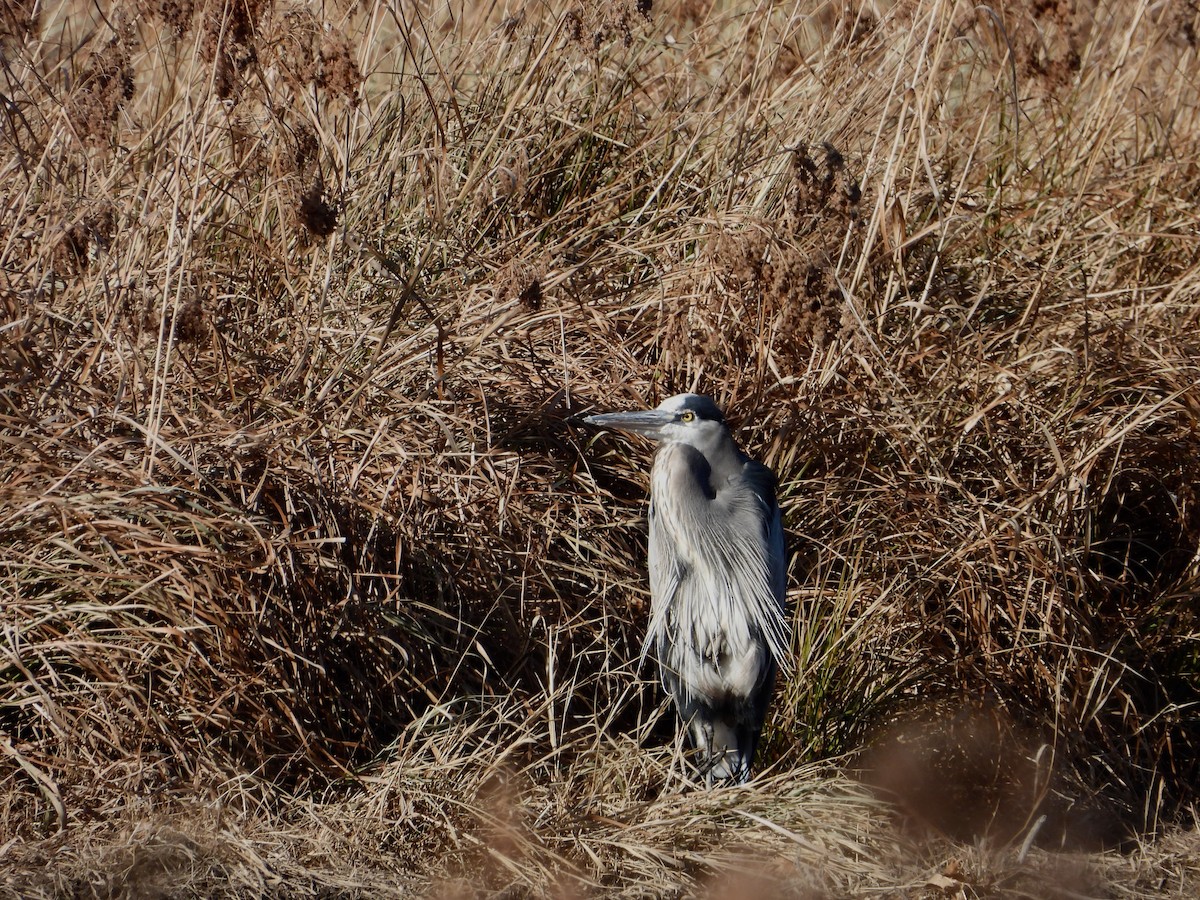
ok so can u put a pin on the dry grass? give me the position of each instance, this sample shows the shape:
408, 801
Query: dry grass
310, 586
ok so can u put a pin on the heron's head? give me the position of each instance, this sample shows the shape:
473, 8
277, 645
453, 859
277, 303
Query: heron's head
688, 418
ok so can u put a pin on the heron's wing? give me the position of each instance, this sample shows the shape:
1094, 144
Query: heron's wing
770, 606
762, 481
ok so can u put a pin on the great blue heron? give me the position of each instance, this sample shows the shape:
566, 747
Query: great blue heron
718, 621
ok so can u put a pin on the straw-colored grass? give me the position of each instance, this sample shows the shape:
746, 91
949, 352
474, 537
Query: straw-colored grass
312, 585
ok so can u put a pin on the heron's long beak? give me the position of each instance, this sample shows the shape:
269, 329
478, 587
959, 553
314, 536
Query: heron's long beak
649, 423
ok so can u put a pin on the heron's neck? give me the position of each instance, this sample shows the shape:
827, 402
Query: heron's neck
728, 463
723, 458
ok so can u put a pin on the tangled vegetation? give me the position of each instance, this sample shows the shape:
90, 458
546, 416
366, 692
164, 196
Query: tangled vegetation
310, 583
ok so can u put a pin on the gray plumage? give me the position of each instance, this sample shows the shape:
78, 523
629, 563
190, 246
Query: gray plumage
719, 626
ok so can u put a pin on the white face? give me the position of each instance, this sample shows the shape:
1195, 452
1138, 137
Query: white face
693, 419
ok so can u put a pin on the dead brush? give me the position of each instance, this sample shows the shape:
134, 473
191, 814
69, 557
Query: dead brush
297, 531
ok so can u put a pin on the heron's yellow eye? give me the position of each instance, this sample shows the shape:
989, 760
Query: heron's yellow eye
687, 416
